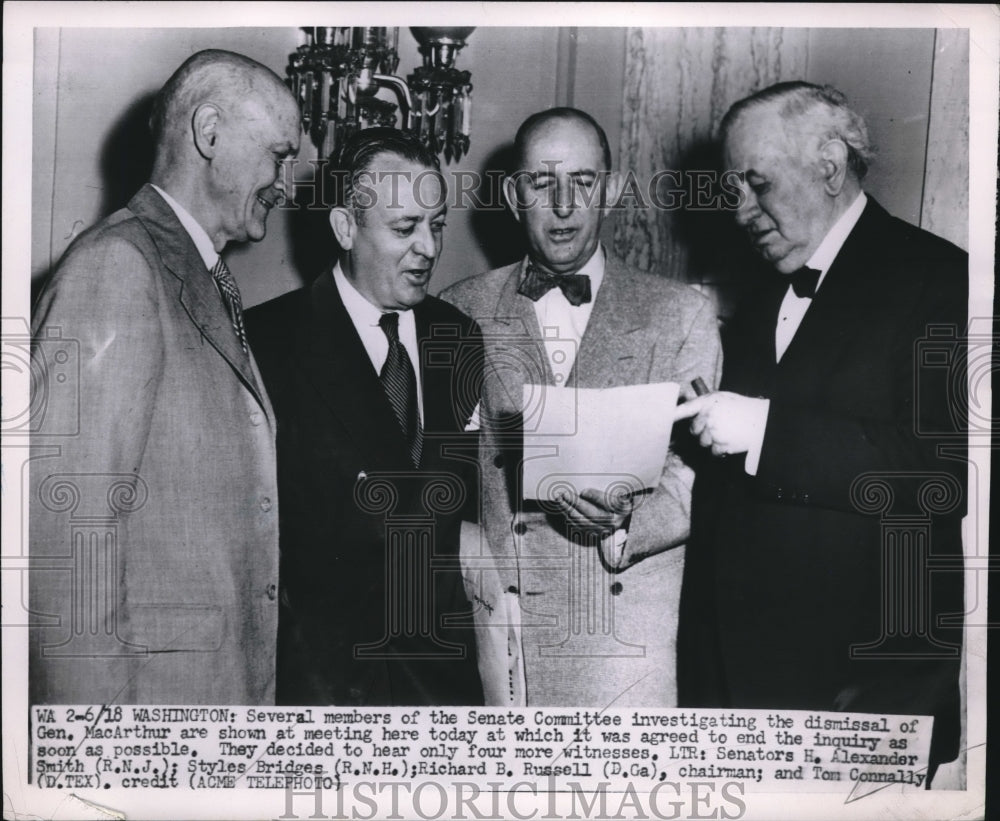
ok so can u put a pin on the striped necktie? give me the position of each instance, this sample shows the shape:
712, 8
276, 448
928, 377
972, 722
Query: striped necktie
400, 385
231, 297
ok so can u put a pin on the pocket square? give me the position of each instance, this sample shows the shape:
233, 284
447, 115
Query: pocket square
474, 423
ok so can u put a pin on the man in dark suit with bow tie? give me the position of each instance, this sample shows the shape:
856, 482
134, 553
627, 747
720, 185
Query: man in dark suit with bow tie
795, 593
374, 383
583, 602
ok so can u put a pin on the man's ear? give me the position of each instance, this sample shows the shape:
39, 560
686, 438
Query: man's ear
510, 195
205, 123
343, 225
833, 164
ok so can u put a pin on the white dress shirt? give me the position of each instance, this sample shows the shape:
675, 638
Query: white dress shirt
562, 325
199, 236
793, 308
365, 317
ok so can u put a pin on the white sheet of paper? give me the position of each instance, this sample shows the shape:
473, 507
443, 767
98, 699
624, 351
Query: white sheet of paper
611, 439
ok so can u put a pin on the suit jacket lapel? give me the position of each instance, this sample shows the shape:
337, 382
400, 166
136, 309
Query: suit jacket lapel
615, 332
196, 290
334, 359
435, 379
828, 322
749, 364
518, 324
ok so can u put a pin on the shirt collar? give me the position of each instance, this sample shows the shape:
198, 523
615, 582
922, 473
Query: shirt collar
361, 311
827, 251
198, 234
593, 268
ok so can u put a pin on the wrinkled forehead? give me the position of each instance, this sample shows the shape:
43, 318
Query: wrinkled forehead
270, 112
402, 185
762, 136
563, 146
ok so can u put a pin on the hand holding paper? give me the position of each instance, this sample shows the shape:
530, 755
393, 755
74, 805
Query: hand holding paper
603, 514
595, 510
611, 440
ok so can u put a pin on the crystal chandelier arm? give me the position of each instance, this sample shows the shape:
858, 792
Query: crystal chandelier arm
402, 90
337, 74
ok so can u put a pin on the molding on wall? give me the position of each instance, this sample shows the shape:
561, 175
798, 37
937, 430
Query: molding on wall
566, 57
945, 201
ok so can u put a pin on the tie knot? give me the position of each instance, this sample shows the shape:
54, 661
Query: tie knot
389, 323
804, 282
220, 271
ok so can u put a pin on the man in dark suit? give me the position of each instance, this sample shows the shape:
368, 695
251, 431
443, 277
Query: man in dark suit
796, 593
374, 384
580, 596
163, 451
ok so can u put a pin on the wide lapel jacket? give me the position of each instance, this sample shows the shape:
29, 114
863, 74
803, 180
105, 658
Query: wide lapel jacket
348, 492
169, 403
852, 289
195, 289
335, 361
619, 326
512, 321
642, 329
798, 551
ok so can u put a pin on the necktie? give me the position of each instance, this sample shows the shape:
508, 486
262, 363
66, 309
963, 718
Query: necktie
537, 283
231, 298
804, 282
400, 384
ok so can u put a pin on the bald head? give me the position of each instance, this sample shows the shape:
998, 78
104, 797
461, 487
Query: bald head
222, 126
214, 76
537, 122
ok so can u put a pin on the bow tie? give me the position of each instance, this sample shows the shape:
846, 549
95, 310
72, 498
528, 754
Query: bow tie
804, 282
536, 284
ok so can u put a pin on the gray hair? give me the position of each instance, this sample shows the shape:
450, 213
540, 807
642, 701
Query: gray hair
825, 112
225, 76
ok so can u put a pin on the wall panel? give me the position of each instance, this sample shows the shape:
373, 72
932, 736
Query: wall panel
945, 206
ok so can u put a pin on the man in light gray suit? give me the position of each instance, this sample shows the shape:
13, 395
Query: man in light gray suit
584, 591
153, 508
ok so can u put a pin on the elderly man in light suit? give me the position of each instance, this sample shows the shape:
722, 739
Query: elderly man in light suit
154, 530
591, 617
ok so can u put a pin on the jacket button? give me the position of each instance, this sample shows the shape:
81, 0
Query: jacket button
616, 588
265, 504
272, 591
520, 528
498, 461
255, 418
779, 493
513, 589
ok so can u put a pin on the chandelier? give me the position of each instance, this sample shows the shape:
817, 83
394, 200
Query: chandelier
337, 73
